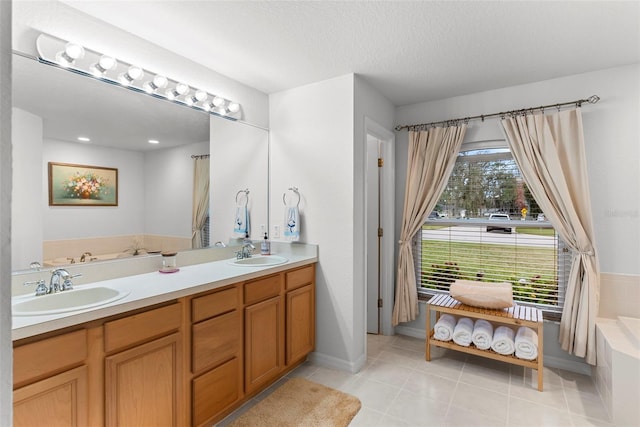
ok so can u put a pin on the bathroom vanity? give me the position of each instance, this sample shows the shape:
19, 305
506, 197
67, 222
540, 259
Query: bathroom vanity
187, 356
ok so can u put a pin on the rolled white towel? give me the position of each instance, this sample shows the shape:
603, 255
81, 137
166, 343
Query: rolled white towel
462, 332
443, 329
526, 343
482, 334
503, 340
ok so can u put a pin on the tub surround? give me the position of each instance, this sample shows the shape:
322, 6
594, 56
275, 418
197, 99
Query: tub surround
200, 271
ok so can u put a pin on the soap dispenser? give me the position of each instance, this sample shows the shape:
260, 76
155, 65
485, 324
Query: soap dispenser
265, 246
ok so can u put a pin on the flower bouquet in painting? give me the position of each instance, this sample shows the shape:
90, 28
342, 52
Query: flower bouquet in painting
80, 185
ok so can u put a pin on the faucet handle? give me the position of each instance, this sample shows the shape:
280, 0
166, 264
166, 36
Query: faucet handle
41, 289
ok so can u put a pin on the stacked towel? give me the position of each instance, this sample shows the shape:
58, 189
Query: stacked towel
292, 224
503, 340
482, 334
241, 226
443, 329
526, 343
462, 332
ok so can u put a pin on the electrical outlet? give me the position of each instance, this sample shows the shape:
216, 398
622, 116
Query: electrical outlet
276, 231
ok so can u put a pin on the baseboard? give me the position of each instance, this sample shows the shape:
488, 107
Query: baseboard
335, 363
567, 365
411, 332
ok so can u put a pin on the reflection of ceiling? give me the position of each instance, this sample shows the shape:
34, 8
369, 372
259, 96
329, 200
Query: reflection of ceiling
73, 105
412, 51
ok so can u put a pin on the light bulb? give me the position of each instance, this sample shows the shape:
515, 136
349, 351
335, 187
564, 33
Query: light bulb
189, 101
104, 64
234, 107
182, 89
170, 94
70, 53
217, 101
201, 95
133, 73
206, 106
158, 82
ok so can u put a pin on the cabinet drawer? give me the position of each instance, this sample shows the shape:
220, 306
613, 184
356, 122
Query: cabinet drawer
215, 391
262, 289
48, 356
141, 327
214, 304
300, 277
216, 340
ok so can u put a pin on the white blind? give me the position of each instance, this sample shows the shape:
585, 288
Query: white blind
531, 257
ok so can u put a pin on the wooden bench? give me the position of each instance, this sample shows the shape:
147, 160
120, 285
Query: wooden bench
516, 315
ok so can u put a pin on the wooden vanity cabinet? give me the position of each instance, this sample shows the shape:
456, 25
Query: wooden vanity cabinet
216, 354
300, 313
263, 331
143, 369
50, 381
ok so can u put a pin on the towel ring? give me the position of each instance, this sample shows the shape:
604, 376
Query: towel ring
246, 195
295, 191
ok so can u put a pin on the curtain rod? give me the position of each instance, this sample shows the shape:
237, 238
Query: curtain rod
591, 100
200, 156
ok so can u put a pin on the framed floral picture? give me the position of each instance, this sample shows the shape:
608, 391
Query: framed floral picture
82, 185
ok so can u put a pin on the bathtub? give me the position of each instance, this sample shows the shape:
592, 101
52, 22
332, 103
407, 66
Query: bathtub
618, 368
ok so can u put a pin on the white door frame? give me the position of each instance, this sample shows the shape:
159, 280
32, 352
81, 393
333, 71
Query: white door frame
387, 208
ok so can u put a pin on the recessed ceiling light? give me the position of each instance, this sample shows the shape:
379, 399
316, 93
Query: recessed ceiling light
84, 139
154, 141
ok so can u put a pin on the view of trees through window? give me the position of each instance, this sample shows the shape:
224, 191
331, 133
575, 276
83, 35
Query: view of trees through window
488, 227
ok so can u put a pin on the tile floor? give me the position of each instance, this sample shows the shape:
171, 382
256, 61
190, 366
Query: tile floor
398, 387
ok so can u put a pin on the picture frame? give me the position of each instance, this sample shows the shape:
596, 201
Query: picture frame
82, 185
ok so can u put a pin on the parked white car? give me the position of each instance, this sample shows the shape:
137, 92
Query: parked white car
498, 217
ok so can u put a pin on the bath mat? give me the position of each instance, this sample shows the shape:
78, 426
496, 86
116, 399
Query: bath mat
301, 403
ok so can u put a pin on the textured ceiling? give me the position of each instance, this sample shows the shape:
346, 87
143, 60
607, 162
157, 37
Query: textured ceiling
411, 51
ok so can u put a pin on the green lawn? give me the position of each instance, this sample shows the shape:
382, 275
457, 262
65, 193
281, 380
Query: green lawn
531, 270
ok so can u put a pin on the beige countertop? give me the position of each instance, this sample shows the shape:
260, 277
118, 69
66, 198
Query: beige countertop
154, 287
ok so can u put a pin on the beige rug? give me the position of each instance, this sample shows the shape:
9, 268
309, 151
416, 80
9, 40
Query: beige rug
300, 402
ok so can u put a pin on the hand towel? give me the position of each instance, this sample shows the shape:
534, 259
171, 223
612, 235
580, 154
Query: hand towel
292, 224
462, 332
482, 334
443, 329
241, 226
503, 340
526, 343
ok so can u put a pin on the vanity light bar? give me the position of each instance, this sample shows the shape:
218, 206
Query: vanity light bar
79, 59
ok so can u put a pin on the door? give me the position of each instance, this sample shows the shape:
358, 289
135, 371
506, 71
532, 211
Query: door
372, 233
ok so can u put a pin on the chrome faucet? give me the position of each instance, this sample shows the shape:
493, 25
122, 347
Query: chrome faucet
247, 249
60, 281
84, 256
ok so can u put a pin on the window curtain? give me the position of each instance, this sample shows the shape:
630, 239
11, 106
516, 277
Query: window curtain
200, 200
549, 149
432, 155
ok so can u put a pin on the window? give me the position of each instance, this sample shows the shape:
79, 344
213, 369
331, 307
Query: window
487, 227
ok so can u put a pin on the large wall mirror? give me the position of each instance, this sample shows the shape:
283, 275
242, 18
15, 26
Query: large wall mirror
54, 107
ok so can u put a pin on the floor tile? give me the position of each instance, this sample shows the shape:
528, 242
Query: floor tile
458, 417
373, 394
417, 412
526, 413
587, 405
481, 401
430, 386
388, 373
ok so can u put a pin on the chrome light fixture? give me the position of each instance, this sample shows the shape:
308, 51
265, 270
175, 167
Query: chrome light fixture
79, 59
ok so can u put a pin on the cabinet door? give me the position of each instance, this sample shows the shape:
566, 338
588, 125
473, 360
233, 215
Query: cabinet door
143, 385
264, 342
60, 400
215, 391
300, 306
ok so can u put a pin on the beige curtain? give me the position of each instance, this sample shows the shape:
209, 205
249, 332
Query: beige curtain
549, 149
200, 200
432, 155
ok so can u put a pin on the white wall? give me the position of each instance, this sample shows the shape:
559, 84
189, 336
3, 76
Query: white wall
312, 148
26, 207
55, 18
6, 382
168, 189
248, 147
613, 155
73, 222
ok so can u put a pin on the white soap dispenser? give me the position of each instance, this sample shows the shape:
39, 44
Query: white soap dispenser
265, 246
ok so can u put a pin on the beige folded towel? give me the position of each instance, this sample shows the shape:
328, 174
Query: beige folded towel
482, 294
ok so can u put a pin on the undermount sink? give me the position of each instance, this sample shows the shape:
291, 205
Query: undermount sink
65, 301
259, 261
